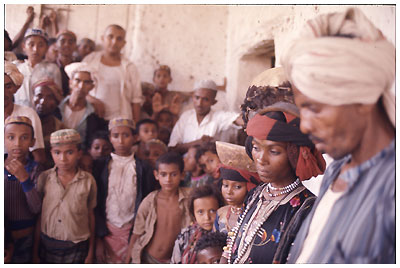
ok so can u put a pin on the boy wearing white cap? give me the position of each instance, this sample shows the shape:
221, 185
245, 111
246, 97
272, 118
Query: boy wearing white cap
201, 124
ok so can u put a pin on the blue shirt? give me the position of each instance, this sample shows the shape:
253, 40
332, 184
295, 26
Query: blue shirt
361, 225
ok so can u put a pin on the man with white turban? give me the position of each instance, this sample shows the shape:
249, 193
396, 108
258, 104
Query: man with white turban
13, 79
342, 72
77, 113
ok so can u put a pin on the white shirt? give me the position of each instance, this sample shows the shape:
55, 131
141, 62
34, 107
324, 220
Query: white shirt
71, 119
318, 222
24, 95
129, 85
122, 181
20, 110
187, 129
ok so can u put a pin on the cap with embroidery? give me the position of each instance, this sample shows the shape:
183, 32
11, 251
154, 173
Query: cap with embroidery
209, 84
121, 122
18, 119
65, 136
37, 32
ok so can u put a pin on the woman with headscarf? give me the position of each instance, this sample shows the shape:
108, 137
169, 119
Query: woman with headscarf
276, 208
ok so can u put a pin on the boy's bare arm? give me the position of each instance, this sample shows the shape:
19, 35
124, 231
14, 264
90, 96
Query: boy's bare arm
136, 111
89, 258
134, 237
20, 35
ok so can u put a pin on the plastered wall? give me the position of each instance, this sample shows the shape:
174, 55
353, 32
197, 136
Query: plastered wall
197, 41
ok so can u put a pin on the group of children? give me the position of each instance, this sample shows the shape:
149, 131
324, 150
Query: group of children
118, 214
99, 167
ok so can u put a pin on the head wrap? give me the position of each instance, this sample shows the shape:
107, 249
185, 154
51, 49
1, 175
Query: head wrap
66, 32
121, 122
37, 32
49, 82
342, 58
18, 119
242, 175
208, 84
12, 71
75, 67
306, 160
64, 137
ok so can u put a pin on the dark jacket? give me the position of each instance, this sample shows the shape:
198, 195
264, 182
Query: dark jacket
146, 183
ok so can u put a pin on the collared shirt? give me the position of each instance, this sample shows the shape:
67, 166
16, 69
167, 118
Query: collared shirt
122, 189
361, 225
24, 95
65, 211
130, 87
146, 219
20, 110
187, 129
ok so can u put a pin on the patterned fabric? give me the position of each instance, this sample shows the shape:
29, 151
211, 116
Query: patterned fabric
65, 136
192, 182
121, 122
223, 219
275, 217
185, 244
62, 252
365, 213
18, 119
122, 188
116, 243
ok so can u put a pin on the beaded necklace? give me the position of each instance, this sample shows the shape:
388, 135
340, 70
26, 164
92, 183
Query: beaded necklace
283, 190
232, 235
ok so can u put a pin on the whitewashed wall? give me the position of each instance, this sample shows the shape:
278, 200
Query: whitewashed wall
197, 41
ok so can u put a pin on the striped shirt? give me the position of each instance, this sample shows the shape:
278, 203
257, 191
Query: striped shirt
361, 225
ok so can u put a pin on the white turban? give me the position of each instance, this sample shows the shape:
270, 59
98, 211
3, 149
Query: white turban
337, 70
75, 67
12, 71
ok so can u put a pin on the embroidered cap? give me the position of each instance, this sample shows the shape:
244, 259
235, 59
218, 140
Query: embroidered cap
18, 119
65, 136
37, 32
121, 122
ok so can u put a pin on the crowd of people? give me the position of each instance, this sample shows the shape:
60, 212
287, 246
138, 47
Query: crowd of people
103, 168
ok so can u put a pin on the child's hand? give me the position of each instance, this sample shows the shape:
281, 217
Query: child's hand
157, 103
31, 14
17, 169
176, 104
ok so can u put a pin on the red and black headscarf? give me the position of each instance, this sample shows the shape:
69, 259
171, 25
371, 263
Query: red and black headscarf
242, 175
283, 126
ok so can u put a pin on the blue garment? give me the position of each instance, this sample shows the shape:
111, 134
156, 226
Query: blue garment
361, 225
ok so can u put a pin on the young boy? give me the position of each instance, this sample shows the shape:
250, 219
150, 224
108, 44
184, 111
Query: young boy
209, 248
202, 124
123, 181
76, 112
194, 174
22, 202
163, 98
154, 149
67, 222
161, 215
146, 129
13, 79
99, 145
35, 47
84, 48
119, 81
208, 159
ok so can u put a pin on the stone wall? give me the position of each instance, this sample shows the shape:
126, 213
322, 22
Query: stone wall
198, 41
